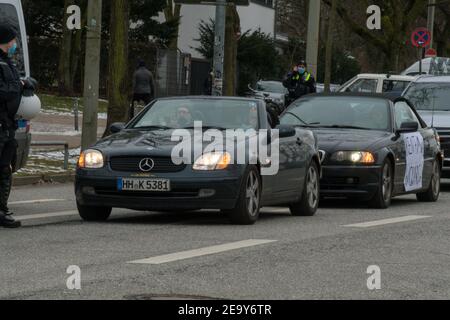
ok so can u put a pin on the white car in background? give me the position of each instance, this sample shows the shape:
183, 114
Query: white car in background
377, 83
438, 66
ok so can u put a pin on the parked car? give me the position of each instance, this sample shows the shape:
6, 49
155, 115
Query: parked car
372, 148
430, 95
134, 168
273, 90
11, 10
320, 87
438, 66
377, 83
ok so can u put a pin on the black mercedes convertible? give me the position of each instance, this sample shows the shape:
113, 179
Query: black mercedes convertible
147, 165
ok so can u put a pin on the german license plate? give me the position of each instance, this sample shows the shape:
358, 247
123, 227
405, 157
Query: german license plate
157, 185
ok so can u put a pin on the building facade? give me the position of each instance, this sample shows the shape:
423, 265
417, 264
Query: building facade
260, 14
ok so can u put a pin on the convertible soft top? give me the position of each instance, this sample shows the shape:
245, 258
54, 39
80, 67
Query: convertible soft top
393, 96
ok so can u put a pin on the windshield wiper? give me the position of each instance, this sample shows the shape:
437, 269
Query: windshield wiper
206, 128
153, 128
301, 120
345, 127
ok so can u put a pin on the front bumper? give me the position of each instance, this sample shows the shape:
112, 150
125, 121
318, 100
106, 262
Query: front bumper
350, 181
187, 193
446, 168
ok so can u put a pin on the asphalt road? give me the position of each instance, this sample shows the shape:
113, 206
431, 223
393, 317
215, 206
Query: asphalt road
321, 257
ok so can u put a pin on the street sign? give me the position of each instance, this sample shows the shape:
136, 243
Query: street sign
430, 53
421, 38
213, 2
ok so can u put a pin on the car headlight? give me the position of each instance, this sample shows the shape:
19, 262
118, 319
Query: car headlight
213, 161
354, 157
91, 159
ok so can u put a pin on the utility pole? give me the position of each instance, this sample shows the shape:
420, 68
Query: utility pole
92, 73
329, 49
312, 45
219, 47
431, 17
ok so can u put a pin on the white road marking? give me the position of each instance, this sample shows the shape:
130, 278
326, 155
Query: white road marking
202, 252
278, 210
47, 215
386, 221
36, 201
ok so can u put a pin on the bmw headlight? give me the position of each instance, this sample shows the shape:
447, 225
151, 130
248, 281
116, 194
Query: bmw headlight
213, 161
360, 157
91, 159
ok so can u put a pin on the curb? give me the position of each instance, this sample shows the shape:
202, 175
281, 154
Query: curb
44, 178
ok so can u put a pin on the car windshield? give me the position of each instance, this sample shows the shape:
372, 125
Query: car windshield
182, 113
430, 96
9, 13
270, 86
340, 112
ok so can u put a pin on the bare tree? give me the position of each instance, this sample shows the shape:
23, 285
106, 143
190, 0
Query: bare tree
118, 84
398, 19
172, 13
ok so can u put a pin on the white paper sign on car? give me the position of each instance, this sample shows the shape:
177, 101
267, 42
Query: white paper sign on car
414, 148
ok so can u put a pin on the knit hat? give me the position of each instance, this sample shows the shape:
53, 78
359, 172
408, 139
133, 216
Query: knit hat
7, 33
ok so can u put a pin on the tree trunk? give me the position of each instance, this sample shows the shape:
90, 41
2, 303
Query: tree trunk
76, 55
230, 63
65, 53
329, 47
118, 84
172, 13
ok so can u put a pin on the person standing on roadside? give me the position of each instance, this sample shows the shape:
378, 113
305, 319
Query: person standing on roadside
299, 82
143, 86
11, 91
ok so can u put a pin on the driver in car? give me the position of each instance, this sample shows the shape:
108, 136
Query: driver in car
183, 118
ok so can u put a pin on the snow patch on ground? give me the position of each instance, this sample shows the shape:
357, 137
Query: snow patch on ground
62, 112
44, 162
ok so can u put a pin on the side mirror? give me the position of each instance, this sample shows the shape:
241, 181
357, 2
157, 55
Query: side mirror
408, 127
117, 127
286, 131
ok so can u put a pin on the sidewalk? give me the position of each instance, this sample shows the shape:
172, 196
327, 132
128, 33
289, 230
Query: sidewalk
52, 126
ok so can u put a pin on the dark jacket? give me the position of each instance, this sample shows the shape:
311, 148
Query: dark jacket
300, 85
143, 82
10, 92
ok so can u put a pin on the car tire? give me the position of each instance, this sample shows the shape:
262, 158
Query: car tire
383, 197
248, 205
94, 214
309, 203
434, 189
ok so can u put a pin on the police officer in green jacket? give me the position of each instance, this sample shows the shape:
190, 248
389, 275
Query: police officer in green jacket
299, 82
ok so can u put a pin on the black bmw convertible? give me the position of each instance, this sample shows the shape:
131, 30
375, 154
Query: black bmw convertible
178, 154
372, 147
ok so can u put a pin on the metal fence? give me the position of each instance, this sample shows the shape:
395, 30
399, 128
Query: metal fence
172, 73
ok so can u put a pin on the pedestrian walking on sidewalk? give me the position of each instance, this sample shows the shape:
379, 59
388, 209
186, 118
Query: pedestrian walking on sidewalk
143, 86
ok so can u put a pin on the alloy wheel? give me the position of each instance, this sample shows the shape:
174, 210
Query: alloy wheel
252, 194
312, 187
387, 182
436, 180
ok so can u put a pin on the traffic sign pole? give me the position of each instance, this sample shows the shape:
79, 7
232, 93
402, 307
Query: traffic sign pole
219, 47
421, 38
